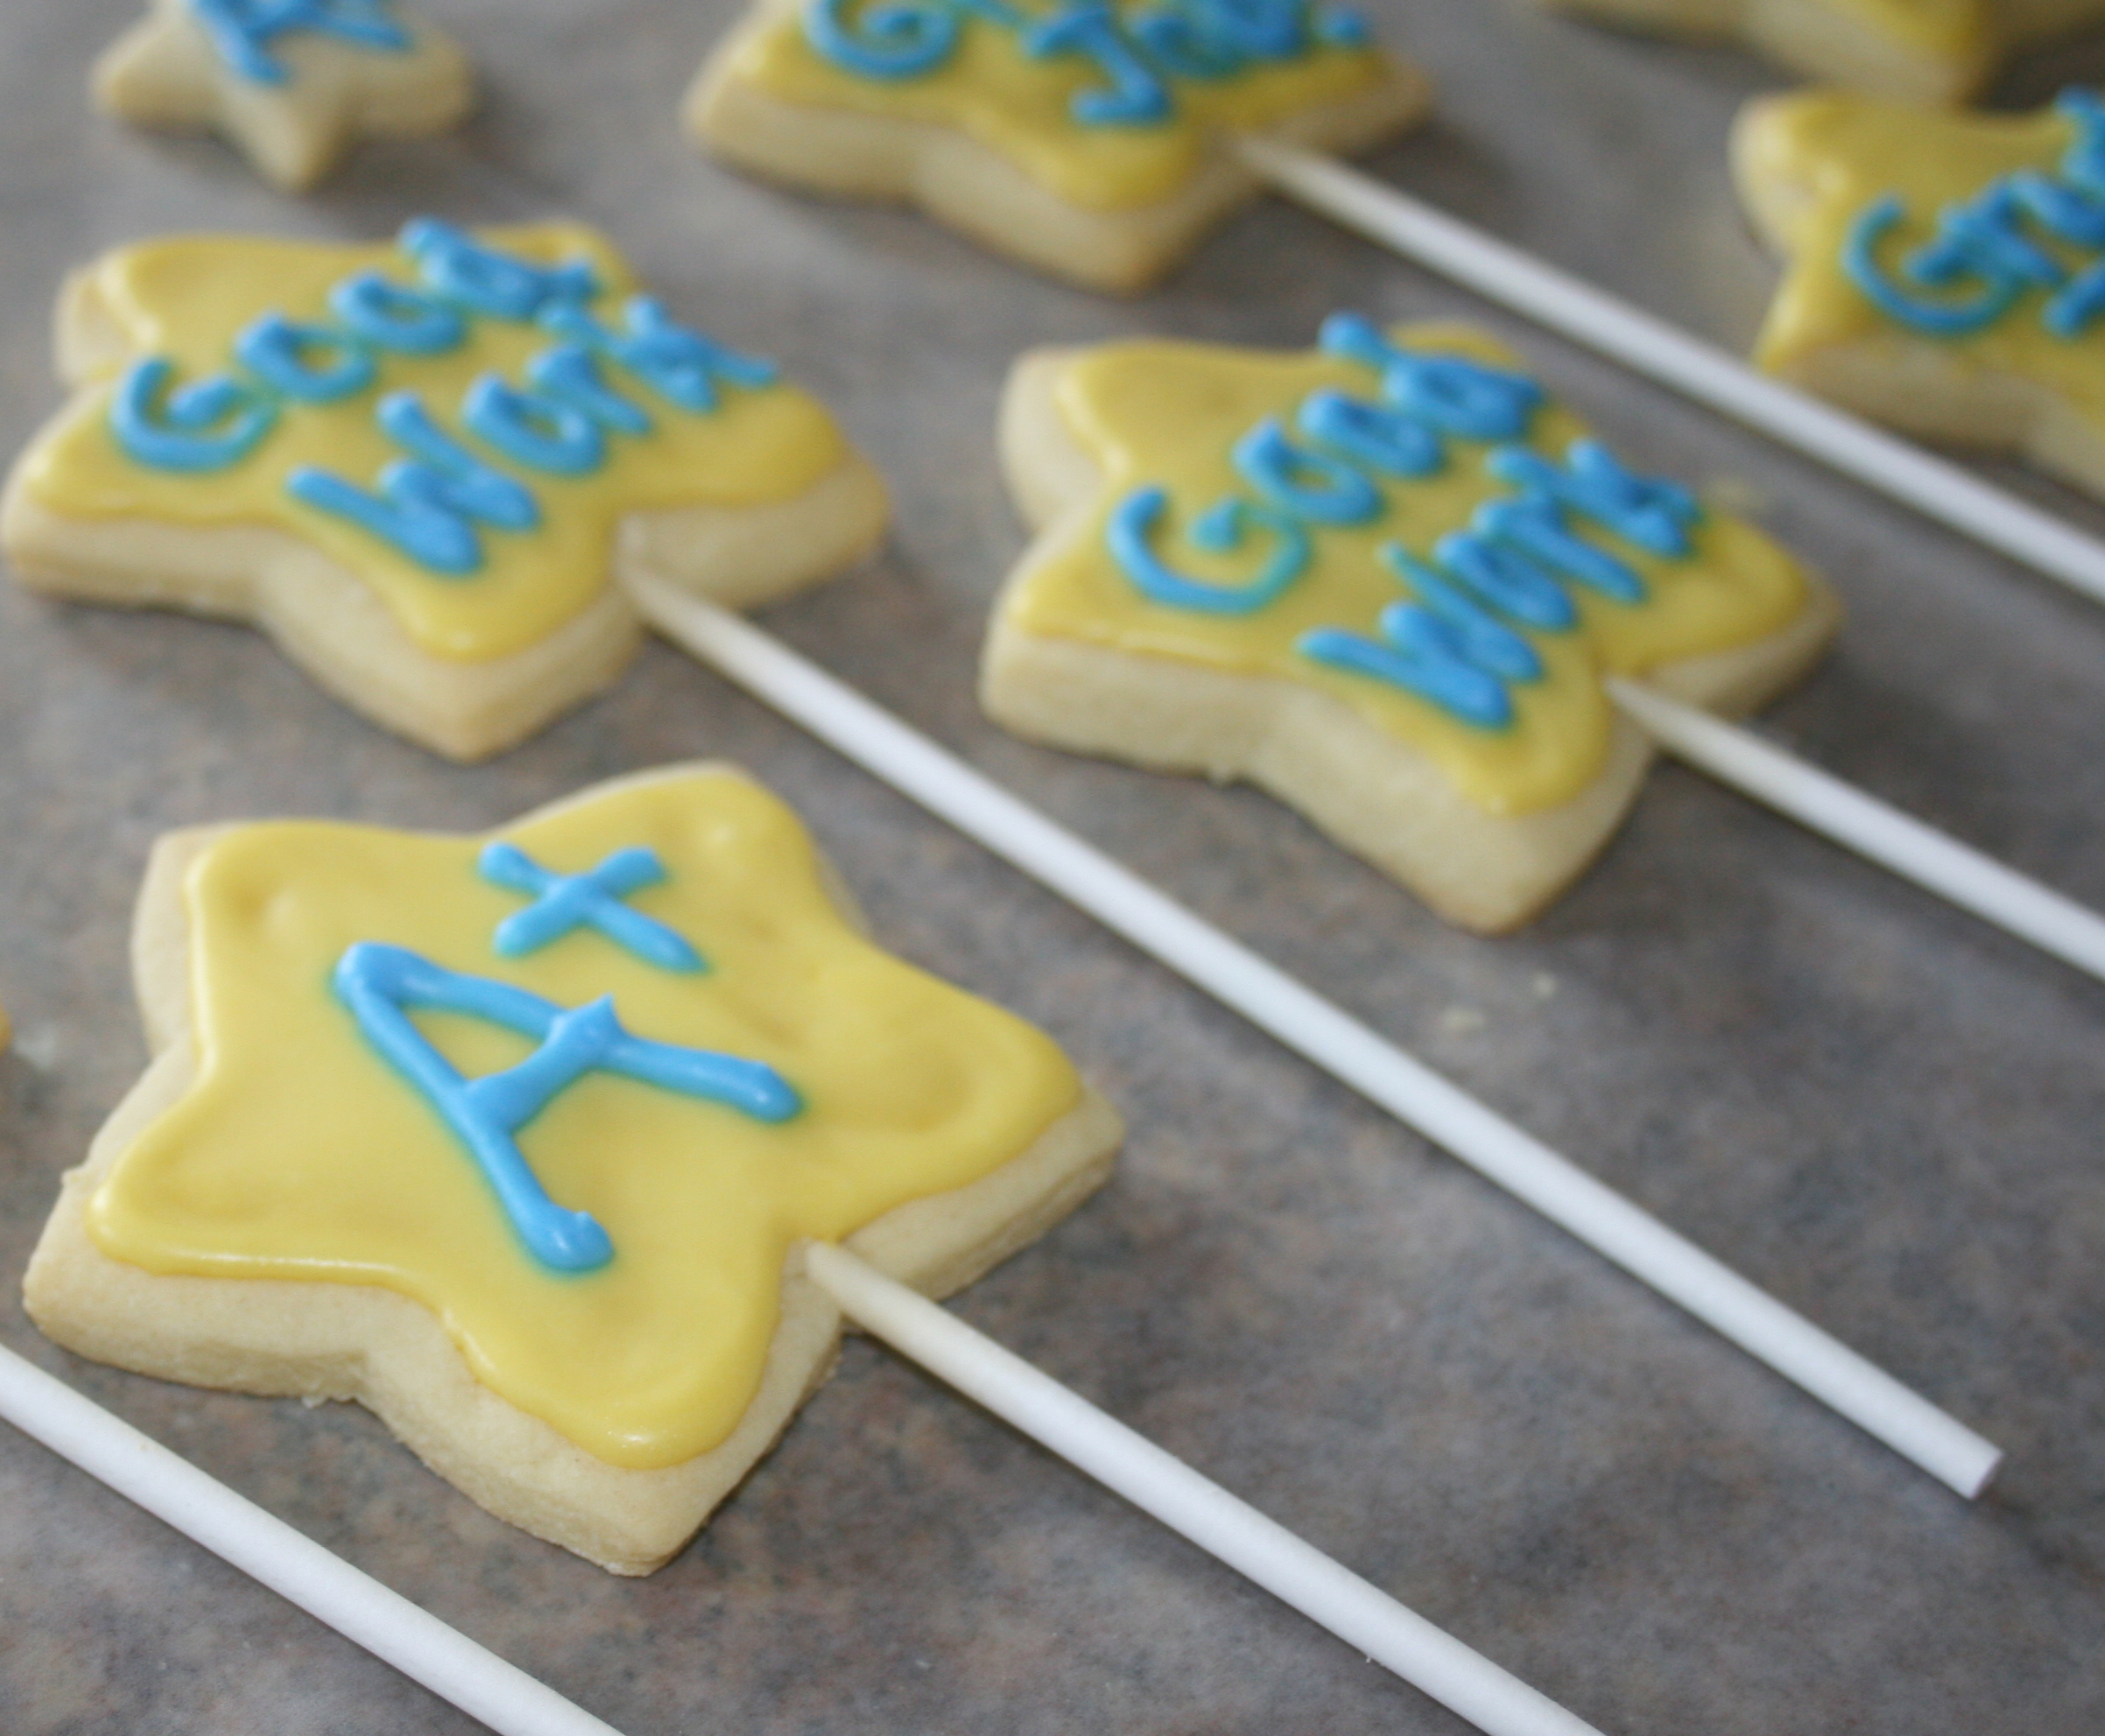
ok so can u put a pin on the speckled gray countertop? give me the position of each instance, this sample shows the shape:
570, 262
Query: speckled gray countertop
1883, 1113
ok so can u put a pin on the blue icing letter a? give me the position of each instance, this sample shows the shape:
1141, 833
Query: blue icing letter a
382, 985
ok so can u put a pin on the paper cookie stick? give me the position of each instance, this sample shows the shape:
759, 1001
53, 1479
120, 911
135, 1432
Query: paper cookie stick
1161, 1486
510, 1701
1648, 345
1341, 1045
297, 1568
1874, 830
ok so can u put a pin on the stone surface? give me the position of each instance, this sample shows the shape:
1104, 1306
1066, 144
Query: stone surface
1879, 1110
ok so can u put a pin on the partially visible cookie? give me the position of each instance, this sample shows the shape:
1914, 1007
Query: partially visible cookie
518, 1140
1946, 273
293, 84
1927, 51
1382, 579
422, 468
1089, 139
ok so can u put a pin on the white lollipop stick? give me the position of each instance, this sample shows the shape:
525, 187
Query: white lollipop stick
1334, 1040
297, 1568
1710, 375
1297, 1573
1863, 824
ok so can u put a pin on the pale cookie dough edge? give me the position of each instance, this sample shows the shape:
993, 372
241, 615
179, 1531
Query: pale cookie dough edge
336, 627
975, 189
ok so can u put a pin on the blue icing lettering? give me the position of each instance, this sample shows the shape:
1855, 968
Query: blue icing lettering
1090, 29
570, 373
1382, 437
533, 430
1506, 579
382, 985
1534, 525
1655, 514
1342, 27
885, 41
209, 425
1981, 261
2084, 165
1423, 654
1138, 54
1487, 641
279, 352
1221, 530
1182, 46
1513, 560
390, 316
1310, 485
1447, 392
429, 504
1258, 30
564, 904
679, 364
241, 31
483, 279
1944, 316
1445, 649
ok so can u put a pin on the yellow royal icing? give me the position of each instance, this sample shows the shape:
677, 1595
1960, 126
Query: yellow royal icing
188, 298
1841, 155
299, 1152
1170, 413
990, 90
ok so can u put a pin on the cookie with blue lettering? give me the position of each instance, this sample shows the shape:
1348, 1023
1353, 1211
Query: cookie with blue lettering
518, 1140
1925, 51
1382, 579
1946, 273
424, 469
1091, 138
293, 84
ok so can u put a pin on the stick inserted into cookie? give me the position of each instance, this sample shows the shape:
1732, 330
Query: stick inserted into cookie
1648, 345
1456, 588
1366, 1618
1331, 1038
590, 1284
1098, 142
421, 468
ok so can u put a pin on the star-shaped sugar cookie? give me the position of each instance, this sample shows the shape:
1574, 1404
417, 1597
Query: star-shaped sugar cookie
291, 83
1383, 580
516, 1140
422, 467
1088, 138
1946, 273
1925, 51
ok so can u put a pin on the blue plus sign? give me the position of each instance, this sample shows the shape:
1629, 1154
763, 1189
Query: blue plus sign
564, 902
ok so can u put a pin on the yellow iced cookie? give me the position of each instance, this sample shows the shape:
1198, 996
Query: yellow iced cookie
516, 1139
1382, 579
1928, 51
1088, 138
291, 83
1946, 272
422, 468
